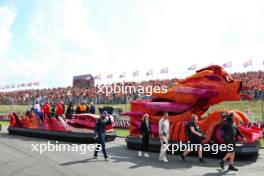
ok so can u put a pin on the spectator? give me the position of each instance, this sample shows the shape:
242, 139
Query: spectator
92, 108
70, 111
78, 109
46, 109
59, 110
37, 110
83, 108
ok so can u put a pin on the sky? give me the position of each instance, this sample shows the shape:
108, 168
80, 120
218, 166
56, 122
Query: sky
51, 41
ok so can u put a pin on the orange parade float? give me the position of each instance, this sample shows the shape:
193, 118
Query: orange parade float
194, 95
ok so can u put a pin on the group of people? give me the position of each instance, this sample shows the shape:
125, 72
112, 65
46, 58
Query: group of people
195, 136
251, 81
76, 94
54, 110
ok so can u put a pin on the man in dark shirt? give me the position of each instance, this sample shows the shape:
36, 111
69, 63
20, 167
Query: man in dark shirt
78, 110
195, 136
70, 111
92, 108
230, 134
52, 110
100, 126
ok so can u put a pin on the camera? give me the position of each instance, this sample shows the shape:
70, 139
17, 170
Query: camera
224, 116
227, 117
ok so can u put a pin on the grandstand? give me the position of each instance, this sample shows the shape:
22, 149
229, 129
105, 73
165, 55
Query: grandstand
253, 84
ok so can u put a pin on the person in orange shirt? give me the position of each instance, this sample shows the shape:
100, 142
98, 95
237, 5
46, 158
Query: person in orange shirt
46, 110
83, 108
59, 110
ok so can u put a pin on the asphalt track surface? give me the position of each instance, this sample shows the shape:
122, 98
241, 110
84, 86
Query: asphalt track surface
17, 159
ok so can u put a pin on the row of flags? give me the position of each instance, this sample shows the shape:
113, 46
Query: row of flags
166, 70
245, 64
134, 74
20, 85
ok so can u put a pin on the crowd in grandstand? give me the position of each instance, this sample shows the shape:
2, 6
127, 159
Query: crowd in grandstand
251, 81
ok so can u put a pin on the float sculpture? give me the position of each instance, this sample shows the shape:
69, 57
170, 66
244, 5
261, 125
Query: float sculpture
193, 95
78, 129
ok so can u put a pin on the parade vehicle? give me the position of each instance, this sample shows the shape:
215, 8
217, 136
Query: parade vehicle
78, 129
194, 95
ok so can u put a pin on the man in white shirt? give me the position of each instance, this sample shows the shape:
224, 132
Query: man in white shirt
164, 135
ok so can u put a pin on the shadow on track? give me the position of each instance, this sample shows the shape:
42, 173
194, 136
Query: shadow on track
120, 154
81, 161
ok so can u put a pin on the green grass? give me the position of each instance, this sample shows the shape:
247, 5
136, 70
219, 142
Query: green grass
4, 123
6, 109
262, 143
121, 132
254, 106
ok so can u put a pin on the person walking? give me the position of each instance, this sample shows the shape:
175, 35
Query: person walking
195, 136
230, 134
164, 135
145, 130
100, 126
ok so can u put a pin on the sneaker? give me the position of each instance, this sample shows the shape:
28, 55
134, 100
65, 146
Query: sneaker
107, 158
222, 164
146, 155
95, 157
201, 160
232, 168
165, 160
139, 153
182, 157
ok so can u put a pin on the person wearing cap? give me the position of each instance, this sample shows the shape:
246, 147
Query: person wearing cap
100, 126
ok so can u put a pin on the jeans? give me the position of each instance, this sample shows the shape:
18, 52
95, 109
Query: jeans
101, 141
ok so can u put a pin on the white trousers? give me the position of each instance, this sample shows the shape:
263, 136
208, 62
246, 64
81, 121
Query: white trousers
164, 142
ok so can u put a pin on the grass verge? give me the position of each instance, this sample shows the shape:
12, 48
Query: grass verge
121, 132
4, 123
262, 143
